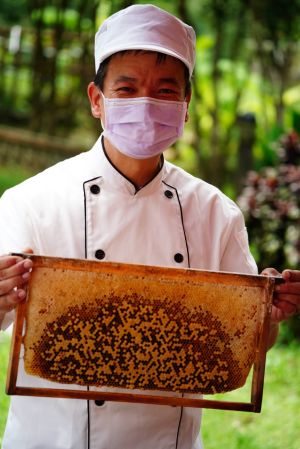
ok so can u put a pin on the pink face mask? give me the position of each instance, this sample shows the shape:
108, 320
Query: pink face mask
143, 127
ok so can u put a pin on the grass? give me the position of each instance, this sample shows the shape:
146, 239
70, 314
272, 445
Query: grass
276, 427
4, 399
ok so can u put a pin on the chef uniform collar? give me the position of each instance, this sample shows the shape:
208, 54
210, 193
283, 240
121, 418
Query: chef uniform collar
112, 176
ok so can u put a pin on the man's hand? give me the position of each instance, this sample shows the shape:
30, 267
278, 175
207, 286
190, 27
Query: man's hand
286, 299
14, 275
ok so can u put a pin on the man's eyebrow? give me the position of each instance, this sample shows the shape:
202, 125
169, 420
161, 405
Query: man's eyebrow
169, 81
124, 78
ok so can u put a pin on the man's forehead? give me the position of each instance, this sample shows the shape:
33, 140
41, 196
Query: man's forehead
132, 68
119, 63
160, 57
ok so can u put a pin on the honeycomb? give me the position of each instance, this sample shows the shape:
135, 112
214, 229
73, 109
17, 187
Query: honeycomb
140, 332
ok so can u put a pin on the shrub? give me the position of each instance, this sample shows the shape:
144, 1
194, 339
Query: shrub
270, 202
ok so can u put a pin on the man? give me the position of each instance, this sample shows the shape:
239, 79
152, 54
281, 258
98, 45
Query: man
122, 202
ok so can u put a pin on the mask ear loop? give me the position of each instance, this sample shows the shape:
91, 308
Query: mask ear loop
103, 102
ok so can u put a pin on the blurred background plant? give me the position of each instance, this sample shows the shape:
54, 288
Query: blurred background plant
270, 201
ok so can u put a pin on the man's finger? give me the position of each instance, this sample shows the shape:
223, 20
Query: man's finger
288, 307
270, 272
28, 251
8, 261
292, 288
19, 268
10, 301
7, 285
291, 275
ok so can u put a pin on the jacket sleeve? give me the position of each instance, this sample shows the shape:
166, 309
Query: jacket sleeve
237, 256
15, 231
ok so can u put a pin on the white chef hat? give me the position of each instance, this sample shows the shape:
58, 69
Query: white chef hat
145, 27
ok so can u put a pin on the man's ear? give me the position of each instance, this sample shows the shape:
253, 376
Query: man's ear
95, 100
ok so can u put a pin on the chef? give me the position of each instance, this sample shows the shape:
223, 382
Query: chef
122, 201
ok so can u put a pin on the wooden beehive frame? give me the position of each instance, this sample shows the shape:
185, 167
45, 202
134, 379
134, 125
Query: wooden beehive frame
254, 405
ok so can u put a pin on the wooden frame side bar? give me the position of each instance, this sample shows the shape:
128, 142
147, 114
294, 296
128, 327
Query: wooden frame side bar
15, 349
261, 355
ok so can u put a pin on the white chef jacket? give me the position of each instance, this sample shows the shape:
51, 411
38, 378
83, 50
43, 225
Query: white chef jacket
85, 208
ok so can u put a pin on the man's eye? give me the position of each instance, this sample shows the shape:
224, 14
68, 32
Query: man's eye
125, 89
167, 91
